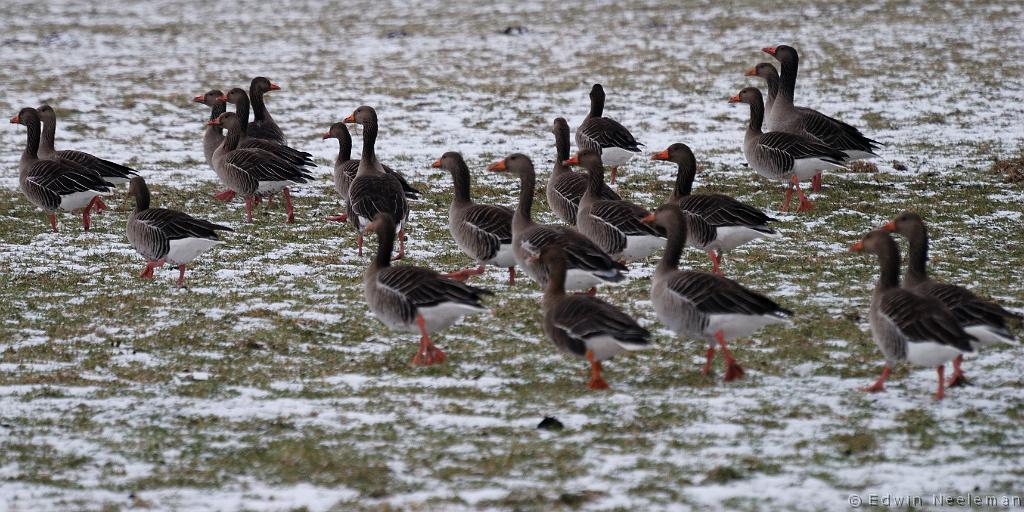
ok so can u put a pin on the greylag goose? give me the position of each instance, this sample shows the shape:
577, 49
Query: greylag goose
615, 226
415, 299
373, 190
786, 117
983, 319
905, 324
213, 135
584, 326
482, 231
345, 168
109, 171
735, 223
240, 99
770, 75
167, 236
605, 135
702, 305
566, 187
783, 156
253, 173
55, 185
262, 125
588, 264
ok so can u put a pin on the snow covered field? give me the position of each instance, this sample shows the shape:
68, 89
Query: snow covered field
268, 386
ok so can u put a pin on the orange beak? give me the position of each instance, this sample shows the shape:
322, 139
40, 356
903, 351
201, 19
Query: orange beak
199, 99
890, 227
769, 50
350, 119
222, 98
436, 164
573, 160
275, 87
734, 99
498, 166
214, 122
660, 156
648, 219
857, 247
16, 119
751, 72
327, 135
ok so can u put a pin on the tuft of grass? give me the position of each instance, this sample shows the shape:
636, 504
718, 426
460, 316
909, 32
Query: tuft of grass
1012, 169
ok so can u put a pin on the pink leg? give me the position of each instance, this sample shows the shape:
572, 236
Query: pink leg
181, 276
401, 245
805, 204
615, 172
428, 353
98, 205
85, 217
733, 370
464, 274
512, 276
879, 384
816, 182
715, 263
958, 379
53, 221
360, 238
710, 355
941, 391
287, 205
248, 208
227, 195
596, 379
338, 218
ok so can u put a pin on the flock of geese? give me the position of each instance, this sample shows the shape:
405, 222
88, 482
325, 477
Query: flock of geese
922, 321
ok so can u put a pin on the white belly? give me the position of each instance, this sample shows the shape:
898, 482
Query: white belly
505, 257
445, 314
734, 325
731, 237
272, 187
930, 354
854, 154
614, 157
806, 168
77, 200
576, 279
185, 250
640, 247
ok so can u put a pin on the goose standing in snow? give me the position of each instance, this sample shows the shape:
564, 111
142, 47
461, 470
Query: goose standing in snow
111, 172
614, 225
702, 305
905, 324
482, 231
733, 223
588, 264
167, 236
582, 325
566, 187
783, 156
983, 319
786, 117
262, 125
415, 299
56, 185
605, 135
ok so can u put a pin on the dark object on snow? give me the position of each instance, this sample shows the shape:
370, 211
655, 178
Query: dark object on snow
550, 423
397, 34
515, 30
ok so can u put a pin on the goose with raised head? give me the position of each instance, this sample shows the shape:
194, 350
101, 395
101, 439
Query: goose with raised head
164, 236
905, 324
213, 135
614, 225
605, 135
55, 185
705, 306
588, 264
415, 299
584, 326
110, 172
263, 125
783, 156
566, 187
734, 223
808, 122
240, 100
253, 173
374, 190
482, 231
981, 318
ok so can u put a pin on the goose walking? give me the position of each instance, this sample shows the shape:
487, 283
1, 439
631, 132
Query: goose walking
253, 173
983, 319
615, 226
346, 167
731, 223
584, 326
905, 324
783, 156
415, 299
566, 187
808, 122
702, 305
374, 190
166, 236
588, 264
482, 231
110, 172
55, 185
605, 135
